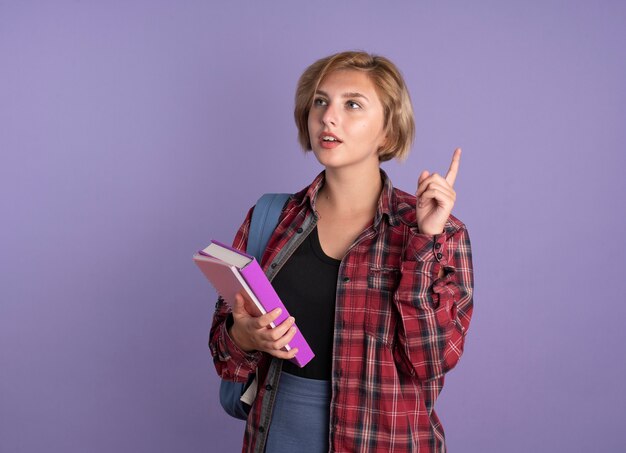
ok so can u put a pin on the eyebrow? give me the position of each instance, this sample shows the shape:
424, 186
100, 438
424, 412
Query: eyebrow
354, 94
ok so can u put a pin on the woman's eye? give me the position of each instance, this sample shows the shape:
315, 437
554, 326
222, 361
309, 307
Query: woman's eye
353, 105
319, 101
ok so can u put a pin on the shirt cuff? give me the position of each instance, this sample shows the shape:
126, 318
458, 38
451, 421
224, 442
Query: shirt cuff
427, 248
230, 351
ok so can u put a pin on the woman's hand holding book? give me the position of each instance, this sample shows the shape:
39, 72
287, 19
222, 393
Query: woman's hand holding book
255, 333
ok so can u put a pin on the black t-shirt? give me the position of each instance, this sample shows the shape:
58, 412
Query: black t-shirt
307, 285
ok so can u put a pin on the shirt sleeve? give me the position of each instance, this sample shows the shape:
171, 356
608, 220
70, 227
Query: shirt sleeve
230, 361
435, 311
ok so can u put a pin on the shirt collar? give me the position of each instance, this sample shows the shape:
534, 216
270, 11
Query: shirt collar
386, 201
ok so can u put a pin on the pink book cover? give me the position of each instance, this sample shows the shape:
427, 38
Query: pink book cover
247, 275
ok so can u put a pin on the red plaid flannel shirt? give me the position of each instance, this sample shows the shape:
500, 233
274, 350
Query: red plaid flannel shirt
398, 327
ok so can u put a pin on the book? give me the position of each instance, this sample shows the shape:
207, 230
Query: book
231, 271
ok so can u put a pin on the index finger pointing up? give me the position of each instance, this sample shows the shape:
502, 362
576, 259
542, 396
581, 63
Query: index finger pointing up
454, 167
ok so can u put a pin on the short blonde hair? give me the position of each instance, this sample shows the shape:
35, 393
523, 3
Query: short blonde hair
399, 123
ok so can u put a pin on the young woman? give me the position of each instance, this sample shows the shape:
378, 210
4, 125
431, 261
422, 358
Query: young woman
380, 281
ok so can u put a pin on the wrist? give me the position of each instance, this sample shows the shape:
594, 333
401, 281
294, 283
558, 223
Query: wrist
430, 232
235, 336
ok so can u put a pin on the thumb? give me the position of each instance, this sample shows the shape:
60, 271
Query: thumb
239, 308
422, 177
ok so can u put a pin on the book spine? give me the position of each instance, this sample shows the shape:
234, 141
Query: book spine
266, 294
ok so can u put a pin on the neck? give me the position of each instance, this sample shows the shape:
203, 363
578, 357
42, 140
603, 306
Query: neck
351, 192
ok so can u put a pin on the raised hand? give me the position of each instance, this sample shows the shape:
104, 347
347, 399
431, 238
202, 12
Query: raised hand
254, 333
436, 197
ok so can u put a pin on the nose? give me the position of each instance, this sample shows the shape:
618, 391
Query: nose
330, 117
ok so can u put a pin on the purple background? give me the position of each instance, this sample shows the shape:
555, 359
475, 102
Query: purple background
127, 128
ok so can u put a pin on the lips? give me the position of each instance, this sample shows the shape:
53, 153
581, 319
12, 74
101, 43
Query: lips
329, 136
329, 140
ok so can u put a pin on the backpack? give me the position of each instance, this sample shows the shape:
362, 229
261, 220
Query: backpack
237, 397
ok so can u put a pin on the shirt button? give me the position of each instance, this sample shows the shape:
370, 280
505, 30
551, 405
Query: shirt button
346, 279
299, 230
268, 387
273, 265
261, 429
437, 245
439, 256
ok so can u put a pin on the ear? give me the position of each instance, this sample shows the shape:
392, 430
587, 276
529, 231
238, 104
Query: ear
385, 145
384, 153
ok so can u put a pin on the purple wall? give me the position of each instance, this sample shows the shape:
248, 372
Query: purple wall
126, 127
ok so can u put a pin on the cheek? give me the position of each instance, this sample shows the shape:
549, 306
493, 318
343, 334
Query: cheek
367, 130
312, 129
376, 129
370, 134
311, 120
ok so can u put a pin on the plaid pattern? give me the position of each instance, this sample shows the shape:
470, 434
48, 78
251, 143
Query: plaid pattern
398, 327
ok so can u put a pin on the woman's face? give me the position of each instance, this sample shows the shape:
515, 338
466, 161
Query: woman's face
346, 121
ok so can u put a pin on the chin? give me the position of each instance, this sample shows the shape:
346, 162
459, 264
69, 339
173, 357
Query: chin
325, 158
